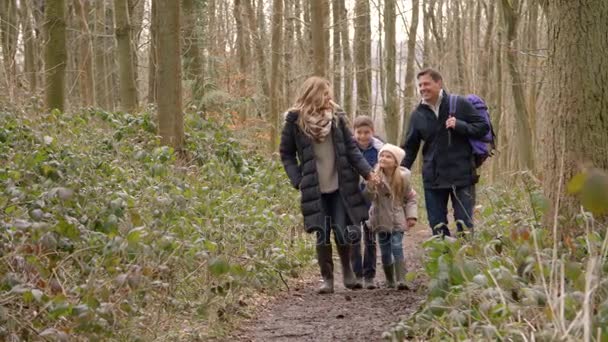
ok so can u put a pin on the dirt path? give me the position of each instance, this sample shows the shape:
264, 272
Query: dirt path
362, 315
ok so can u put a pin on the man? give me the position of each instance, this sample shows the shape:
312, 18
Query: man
448, 168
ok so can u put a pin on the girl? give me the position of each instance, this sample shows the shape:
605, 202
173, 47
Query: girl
394, 208
323, 162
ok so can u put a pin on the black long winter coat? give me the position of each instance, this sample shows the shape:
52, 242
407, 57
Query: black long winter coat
297, 155
448, 160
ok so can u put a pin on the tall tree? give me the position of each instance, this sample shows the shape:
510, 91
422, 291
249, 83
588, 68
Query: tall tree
241, 50
337, 51
55, 55
392, 103
459, 42
109, 58
289, 51
136, 18
128, 90
85, 51
170, 115
29, 47
511, 13
410, 86
260, 56
277, 41
193, 64
319, 26
363, 57
153, 52
575, 122
426, 47
532, 65
8, 35
348, 67
101, 71
487, 59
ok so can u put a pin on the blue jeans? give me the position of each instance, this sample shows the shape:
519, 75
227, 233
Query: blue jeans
463, 202
391, 247
365, 265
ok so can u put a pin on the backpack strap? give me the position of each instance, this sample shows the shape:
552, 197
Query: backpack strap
452, 105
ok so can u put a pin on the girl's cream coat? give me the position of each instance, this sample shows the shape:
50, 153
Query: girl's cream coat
386, 214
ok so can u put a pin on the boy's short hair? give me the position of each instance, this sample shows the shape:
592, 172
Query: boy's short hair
363, 120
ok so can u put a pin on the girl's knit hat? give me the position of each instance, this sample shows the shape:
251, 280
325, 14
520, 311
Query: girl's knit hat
396, 151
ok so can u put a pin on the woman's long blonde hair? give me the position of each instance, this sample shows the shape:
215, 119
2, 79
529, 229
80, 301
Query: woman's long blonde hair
396, 183
311, 98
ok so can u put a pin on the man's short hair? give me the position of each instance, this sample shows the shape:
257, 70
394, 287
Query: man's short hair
363, 120
435, 75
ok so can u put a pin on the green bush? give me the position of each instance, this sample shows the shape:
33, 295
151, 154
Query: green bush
512, 281
108, 235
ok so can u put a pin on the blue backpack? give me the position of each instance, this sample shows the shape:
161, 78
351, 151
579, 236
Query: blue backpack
484, 147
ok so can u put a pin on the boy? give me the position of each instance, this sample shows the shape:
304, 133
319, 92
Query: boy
364, 266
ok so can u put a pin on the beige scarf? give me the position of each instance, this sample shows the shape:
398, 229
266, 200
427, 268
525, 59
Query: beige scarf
318, 125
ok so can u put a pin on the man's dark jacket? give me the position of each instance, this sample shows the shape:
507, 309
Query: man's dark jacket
447, 161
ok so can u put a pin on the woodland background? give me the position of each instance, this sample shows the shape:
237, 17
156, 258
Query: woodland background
174, 79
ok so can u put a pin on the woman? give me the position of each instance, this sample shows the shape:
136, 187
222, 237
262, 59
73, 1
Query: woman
322, 161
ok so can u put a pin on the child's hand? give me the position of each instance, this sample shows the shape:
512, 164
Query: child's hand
411, 222
373, 179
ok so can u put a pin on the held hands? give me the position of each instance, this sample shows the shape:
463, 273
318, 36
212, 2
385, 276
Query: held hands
373, 179
411, 222
450, 122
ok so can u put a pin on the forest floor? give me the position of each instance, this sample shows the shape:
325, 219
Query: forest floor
299, 314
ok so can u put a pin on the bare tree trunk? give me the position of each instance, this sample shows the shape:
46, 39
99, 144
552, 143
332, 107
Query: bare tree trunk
461, 72
309, 44
436, 27
379, 73
392, 104
259, 51
110, 59
240, 48
348, 67
476, 57
29, 47
193, 64
136, 17
261, 20
82, 8
73, 80
153, 53
277, 40
426, 50
8, 33
532, 75
55, 55
486, 55
212, 26
290, 49
497, 122
298, 26
575, 120
362, 47
101, 72
170, 116
128, 91
337, 52
410, 86
524, 135
319, 26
